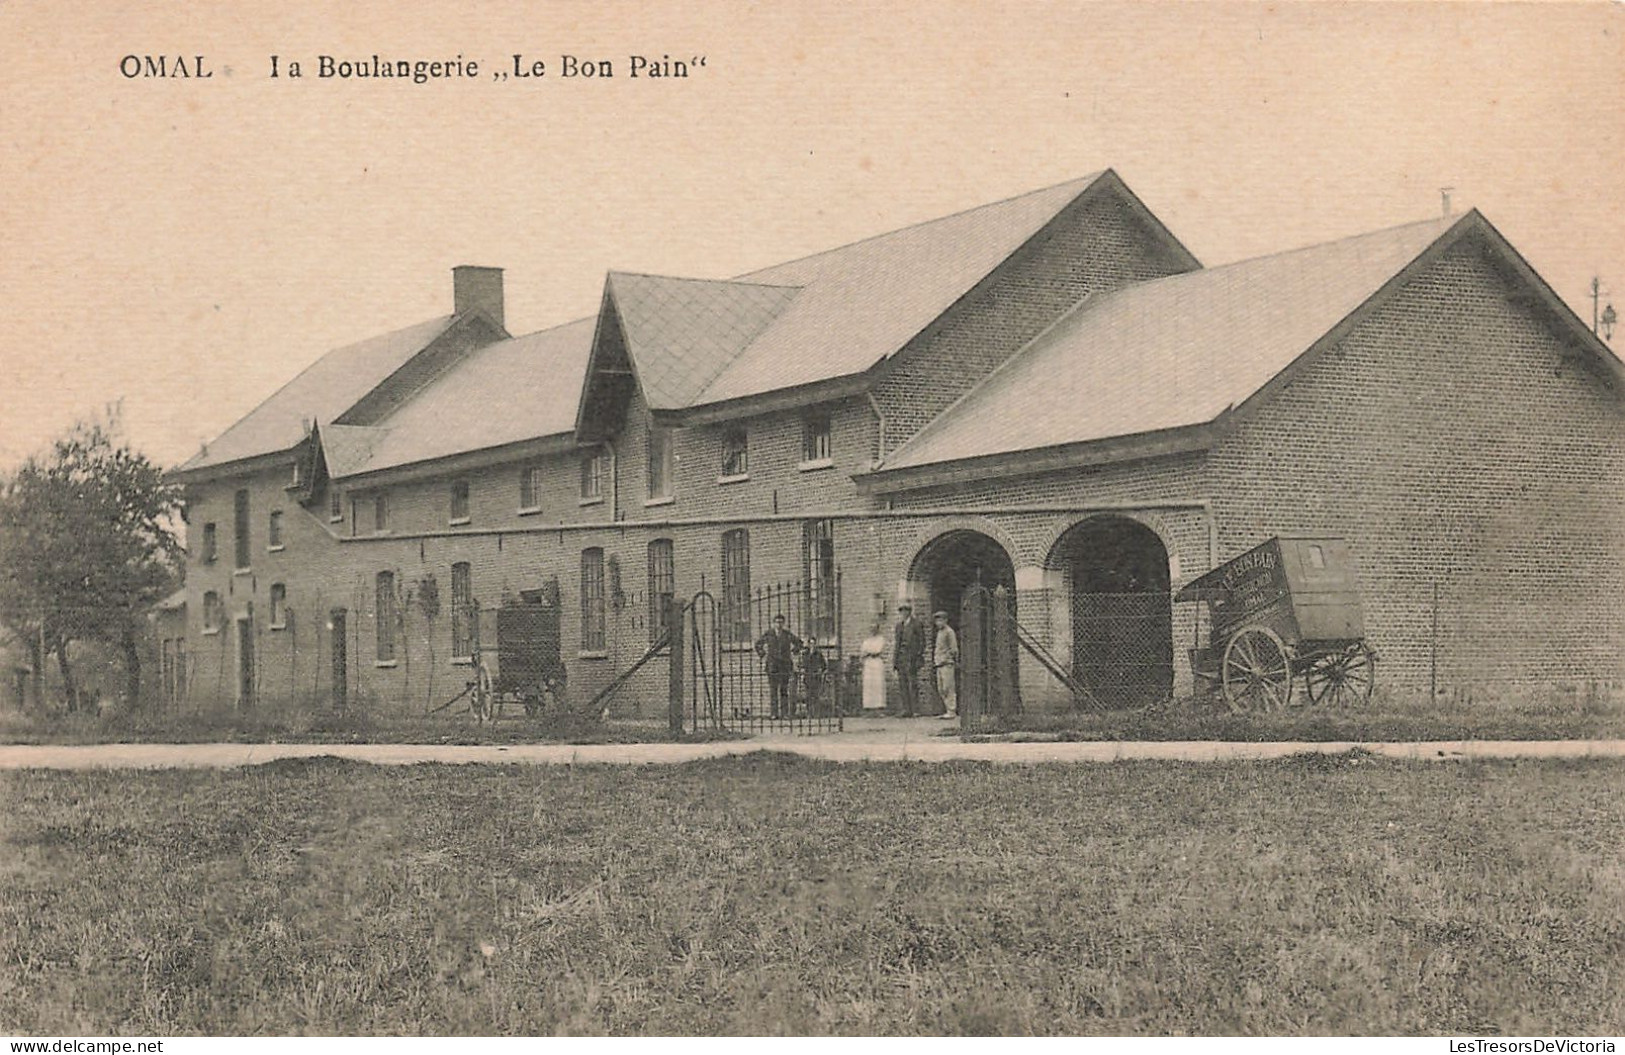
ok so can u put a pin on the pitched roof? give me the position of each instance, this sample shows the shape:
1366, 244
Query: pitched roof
683, 332
863, 302
324, 390
1167, 353
513, 390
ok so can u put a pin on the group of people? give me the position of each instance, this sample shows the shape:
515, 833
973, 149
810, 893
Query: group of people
784, 655
909, 657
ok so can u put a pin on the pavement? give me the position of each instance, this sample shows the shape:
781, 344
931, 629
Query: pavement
866, 741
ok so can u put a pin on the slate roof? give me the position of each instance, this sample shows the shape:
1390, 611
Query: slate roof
863, 302
1170, 352
324, 390
512, 390
683, 332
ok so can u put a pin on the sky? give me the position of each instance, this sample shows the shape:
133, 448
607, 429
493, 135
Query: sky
186, 246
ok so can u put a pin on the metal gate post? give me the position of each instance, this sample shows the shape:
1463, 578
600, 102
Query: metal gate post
674, 650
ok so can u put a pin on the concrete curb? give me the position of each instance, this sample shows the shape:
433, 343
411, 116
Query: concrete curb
838, 748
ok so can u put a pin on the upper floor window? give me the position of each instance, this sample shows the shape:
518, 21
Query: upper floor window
279, 606
210, 551
815, 437
273, 532
662, 585
736, 586
592, 475
385, 616
298, 473
735, 452
242, 526
462, 611
660, 463
335, 504
592, 600
380, 512
530, 489
459, 502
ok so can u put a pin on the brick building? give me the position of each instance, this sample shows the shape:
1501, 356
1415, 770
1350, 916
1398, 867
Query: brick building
1048, 393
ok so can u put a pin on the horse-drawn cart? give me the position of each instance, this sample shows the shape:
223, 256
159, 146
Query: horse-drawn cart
1286, 609
517, 658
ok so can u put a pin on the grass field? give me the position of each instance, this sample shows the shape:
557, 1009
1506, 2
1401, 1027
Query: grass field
1577, 716
1313, 895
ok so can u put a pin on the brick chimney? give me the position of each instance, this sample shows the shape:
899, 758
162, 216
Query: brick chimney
477, 287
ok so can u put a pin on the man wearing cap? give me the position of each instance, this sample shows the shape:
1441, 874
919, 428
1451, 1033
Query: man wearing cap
943, 658
908, 652
778, 648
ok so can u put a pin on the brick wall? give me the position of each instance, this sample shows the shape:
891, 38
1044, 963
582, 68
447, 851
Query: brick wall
1451, 439
1093, 245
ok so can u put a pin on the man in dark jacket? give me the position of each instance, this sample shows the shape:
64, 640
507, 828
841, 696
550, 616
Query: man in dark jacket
908, 652
778, 648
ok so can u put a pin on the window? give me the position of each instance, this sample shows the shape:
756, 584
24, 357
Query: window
279, 606
385, 617
298, 474
335, 505
462, 611
530, 489
211, 613
380, 512
592, 476
735, 453
659, 463
815, 437
211, 545
243, 560
355, 515
273, 533
662, 585
459, 502
592, 600
736, 585
818, 566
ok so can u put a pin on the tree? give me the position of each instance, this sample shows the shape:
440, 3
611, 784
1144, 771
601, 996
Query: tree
86, 548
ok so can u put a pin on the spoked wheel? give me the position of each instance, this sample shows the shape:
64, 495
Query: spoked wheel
1257, 672
1342, 677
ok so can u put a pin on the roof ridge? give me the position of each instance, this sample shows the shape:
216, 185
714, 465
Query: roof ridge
1435, 220
716, 281
445, 320
1084, 183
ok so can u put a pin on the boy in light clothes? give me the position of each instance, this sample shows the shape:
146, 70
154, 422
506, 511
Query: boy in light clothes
943, 658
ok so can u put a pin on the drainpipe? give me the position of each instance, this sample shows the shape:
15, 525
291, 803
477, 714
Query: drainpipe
880, 428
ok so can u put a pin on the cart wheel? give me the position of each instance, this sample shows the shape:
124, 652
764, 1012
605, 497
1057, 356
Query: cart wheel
1341, 678
1257, 672
483, 697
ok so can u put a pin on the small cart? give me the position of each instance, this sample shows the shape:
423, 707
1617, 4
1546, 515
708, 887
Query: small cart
1286, 609
517, 659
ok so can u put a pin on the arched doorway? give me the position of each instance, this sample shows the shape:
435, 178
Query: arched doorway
941, 579
1121, 609
953, 561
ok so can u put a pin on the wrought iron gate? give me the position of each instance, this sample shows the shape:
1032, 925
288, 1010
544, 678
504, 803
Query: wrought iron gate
1122, 646
738, 678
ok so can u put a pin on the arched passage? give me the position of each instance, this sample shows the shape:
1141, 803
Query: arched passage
1116, 572
949, 563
